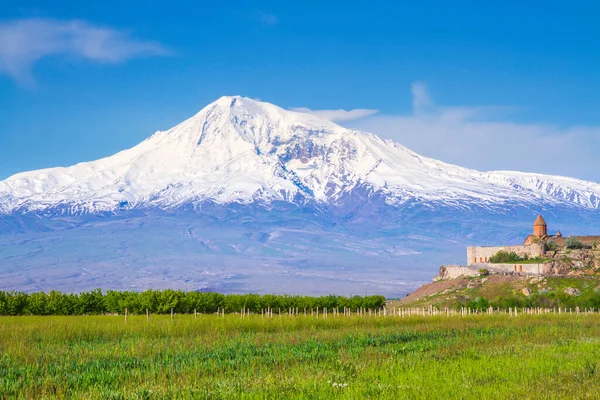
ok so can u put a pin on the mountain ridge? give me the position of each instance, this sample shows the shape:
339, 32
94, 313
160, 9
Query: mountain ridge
241, 150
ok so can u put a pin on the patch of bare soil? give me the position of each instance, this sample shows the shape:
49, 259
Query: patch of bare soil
431, 289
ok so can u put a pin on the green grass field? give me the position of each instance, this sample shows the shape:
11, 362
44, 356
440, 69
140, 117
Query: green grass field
478, 357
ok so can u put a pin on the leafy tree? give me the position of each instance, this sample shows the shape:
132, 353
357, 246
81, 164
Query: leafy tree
113, 301
573, 243
58, 303
15, 303
37, 304
503, 257
479, 303
90, 303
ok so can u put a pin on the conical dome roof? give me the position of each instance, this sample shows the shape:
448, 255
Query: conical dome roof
539, 221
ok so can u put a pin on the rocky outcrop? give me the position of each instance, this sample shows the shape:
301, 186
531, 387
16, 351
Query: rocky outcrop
572, 291
571, 262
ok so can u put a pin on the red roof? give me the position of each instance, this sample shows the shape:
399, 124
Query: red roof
539, 221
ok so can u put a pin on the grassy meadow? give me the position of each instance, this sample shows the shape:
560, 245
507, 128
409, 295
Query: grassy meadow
418, 357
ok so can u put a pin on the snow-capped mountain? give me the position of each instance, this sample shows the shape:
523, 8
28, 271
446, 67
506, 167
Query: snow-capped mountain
246, 196
238, 150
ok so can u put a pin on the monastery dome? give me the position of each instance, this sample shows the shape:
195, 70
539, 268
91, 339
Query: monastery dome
539, 221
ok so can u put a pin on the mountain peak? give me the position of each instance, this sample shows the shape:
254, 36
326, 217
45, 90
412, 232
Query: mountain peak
253, 108
262, 124
228, 102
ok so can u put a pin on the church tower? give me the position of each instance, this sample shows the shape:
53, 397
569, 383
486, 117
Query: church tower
540, 228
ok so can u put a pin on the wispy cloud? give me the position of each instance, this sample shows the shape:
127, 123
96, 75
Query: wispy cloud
267, 19
24, 42
422, 101
485, 138
338, 115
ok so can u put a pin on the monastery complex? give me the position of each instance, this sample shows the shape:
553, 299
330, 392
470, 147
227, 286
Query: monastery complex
539, 254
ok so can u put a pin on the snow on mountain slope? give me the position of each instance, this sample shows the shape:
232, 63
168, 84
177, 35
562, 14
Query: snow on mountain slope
241, 150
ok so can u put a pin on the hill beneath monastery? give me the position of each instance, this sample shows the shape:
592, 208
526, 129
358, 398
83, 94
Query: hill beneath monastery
506, 291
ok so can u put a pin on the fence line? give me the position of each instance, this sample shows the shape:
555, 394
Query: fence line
398, 312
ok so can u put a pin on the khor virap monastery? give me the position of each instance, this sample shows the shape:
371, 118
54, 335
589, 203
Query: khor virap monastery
539, 254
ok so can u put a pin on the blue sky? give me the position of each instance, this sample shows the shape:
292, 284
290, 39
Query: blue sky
502, 86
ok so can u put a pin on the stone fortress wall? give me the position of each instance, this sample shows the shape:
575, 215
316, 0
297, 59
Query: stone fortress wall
591, 241
481, 254
525, 269
459, 271
455, 272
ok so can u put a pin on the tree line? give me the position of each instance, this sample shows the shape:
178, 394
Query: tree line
163, 301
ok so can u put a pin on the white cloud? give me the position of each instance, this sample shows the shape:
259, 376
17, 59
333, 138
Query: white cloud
267, 19
24, 42
484, 138
422, 102
338, 115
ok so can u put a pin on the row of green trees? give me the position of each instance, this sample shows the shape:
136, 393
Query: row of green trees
162, 301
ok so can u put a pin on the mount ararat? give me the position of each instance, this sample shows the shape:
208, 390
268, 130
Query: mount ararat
247, 196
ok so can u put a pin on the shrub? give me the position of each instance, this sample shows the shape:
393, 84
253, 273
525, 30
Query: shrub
503, 257
484, 271
479, 303
573, 243
551, 245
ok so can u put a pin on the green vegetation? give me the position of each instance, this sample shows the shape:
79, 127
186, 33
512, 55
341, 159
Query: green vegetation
474, 357
542, 299
163, 301
505, 257
573, 243
566, 259
510, 291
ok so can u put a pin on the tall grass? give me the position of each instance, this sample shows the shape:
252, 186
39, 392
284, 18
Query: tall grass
479, 356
